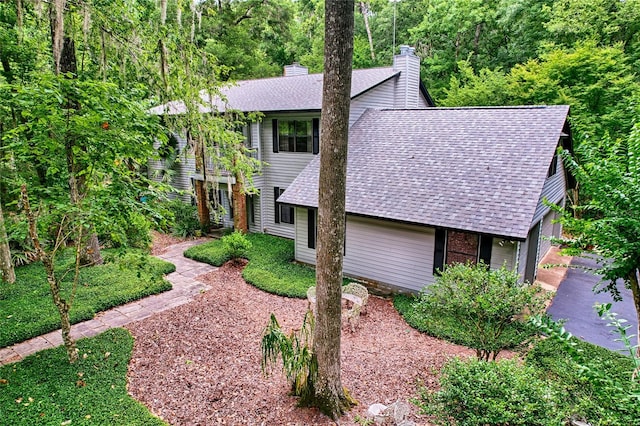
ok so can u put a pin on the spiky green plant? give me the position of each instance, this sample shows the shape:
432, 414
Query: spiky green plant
295, 350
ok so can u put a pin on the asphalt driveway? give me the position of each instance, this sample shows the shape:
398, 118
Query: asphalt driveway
574, 302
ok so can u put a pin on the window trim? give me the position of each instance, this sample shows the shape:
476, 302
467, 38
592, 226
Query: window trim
277, 191
314, 135
483, 250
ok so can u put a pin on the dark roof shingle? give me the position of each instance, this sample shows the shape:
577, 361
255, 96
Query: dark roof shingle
293, 93
476, 169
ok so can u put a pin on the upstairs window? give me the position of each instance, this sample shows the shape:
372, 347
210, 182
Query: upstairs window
553, 167
296, 135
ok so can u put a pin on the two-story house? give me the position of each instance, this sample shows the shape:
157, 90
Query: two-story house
426, 186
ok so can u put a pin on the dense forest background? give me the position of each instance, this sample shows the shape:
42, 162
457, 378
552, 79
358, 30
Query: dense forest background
77, 76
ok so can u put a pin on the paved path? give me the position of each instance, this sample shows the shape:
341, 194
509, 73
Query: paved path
574, 302
185, 287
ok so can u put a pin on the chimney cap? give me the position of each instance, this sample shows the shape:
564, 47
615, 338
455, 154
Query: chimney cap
407, 50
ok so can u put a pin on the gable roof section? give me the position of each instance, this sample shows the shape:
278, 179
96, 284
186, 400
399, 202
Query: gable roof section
292, 93
474, 169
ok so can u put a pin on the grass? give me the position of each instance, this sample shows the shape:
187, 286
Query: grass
271, 267
44, 389
26, 308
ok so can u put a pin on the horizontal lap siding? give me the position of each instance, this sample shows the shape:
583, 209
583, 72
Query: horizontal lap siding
547, 233
399, 255
380, 97
554, 191
389, 253
256, 226
282, 169
503, 252
303, 252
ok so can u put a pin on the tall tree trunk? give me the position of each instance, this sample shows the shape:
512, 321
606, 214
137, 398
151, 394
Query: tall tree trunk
90, 249
47, 259
239, 202
200, 185
364, 10
476, 39
330, 397
6, 266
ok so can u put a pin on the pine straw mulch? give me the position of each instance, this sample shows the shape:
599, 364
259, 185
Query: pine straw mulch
199, 363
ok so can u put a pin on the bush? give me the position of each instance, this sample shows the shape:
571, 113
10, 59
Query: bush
476, 392
133, 232
236, 245
185, 221
593, 385
476, 307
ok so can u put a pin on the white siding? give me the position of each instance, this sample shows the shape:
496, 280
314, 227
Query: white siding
392, 254
382, 96
503, 252
282, 169
554, 191
408, 85
256, 226
547, 232
302, 251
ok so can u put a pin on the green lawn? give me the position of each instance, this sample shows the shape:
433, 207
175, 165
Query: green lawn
26, 308
44, 389
271, 267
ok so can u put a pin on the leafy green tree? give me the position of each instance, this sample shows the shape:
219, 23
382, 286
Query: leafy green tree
609, 220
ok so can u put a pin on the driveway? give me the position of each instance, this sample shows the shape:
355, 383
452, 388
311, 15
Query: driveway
574, 302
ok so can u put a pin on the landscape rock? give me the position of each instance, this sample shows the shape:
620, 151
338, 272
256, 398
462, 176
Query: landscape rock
376, 409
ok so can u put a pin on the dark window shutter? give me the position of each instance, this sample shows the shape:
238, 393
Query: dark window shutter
438, 255
311, 228
316, 135
485, 249
276, 194
276, 144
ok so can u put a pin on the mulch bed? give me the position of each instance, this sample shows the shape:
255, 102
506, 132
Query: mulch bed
199, 364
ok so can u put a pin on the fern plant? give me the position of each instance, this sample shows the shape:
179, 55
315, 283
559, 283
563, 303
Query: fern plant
295, 349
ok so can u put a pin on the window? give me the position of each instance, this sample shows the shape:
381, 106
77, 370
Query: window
251, 215
283, 212
312, 228
553, 167
460, 247
296, 135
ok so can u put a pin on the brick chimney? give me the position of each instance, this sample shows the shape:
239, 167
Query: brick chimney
408, 84
295, 69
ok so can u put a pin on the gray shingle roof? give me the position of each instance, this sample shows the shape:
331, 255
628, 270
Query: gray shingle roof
293, 93
476, 169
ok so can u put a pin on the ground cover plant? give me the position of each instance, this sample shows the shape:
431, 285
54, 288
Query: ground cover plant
595, 382
271, 264
91, 391
476, 307
26, 310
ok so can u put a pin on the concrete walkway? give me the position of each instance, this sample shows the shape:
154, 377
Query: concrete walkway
185, 287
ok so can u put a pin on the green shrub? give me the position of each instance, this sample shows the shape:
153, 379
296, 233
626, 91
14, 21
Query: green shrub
237, 245
185, 221
475, 392
593, 381
134, 231
476, 307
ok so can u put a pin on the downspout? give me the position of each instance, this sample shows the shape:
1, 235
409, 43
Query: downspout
517, 262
